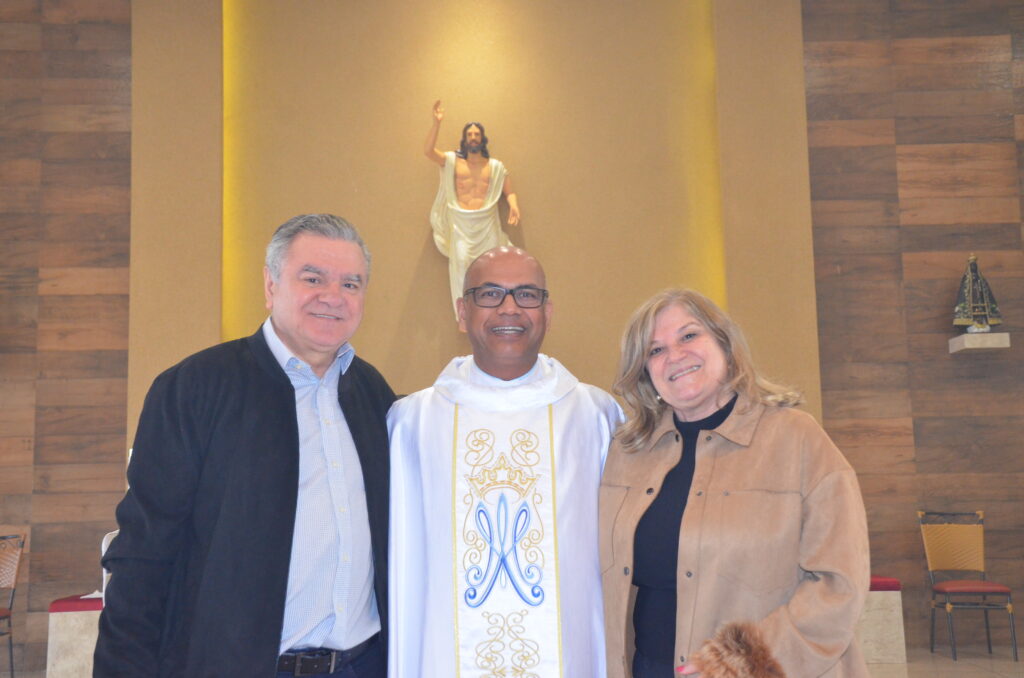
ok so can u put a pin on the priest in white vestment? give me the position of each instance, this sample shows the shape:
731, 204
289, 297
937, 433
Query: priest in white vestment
495, 472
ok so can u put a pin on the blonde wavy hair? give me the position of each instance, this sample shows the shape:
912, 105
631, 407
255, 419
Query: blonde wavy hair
633, 384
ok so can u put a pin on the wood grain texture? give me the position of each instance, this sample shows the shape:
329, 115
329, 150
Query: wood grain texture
960, 237
65, 144
923, 428
857, 240
965, 128
955, 49
854, 133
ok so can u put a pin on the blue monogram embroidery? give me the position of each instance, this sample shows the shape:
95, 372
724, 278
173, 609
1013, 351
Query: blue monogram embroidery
503, 556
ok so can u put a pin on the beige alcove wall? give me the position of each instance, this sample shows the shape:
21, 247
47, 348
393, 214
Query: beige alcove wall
635, 168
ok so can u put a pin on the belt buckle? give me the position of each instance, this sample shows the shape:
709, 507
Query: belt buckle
300, 671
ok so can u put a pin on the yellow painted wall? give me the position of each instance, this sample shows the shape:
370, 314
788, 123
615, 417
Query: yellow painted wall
174, 307
604, 112
587, 105
765, 184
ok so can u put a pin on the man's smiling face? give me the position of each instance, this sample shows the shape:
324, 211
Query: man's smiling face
505, 339
316, 305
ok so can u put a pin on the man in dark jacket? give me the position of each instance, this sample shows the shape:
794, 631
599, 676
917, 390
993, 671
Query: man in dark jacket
253, 538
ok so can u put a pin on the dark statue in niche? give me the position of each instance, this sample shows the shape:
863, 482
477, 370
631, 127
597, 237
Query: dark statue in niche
976, 307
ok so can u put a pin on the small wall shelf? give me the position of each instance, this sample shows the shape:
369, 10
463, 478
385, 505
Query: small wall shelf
974, 342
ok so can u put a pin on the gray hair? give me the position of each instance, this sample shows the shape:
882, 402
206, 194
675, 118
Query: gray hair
325, 225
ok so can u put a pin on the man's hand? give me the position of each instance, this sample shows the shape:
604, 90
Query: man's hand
438, 111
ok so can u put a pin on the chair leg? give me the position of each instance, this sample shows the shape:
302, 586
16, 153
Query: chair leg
949, 624
988, 632
10, 651
931, 635
1013, 628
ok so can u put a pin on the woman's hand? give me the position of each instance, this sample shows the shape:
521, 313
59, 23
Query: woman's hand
687, 670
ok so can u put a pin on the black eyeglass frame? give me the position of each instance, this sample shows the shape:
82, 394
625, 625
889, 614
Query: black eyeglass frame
505, 292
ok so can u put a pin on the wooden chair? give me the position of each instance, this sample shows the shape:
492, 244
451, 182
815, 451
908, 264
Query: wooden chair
11, 547
954, 545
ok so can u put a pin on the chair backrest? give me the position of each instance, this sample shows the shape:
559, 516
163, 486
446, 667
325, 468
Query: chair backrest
107, 539
953, 541
11, 547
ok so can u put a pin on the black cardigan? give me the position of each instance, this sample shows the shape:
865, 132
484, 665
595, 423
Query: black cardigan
200, 567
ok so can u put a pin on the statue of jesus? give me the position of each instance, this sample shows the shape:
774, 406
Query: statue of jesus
465, 216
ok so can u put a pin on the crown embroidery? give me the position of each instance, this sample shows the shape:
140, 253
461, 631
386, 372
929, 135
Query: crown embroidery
501, 476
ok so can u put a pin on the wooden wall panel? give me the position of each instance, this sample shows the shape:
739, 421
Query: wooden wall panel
65, 94
938, 87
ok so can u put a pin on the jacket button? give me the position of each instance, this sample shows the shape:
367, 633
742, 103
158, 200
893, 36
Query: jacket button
625, 570
689, 574
650, 490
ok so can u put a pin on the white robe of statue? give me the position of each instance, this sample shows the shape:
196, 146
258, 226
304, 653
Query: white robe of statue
461, 234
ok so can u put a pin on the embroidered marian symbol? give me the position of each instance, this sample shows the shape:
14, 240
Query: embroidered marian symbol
503, 555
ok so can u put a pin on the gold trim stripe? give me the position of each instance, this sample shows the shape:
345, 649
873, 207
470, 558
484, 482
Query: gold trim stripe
455, 547
554, 529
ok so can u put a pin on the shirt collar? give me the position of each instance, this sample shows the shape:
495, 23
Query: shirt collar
346, 353
463, 382
738, 427
478, 376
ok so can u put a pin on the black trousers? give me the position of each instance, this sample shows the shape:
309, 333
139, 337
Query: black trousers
645, 667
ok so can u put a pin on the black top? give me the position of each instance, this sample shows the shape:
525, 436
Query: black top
656, 548
200, 567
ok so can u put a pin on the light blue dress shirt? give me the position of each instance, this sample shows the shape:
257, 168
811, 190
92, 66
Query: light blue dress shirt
330, 601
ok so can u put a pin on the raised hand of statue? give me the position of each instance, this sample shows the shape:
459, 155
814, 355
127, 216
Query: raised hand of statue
438, 111
513, 215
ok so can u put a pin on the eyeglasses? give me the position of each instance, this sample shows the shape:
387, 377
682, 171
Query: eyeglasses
492, 296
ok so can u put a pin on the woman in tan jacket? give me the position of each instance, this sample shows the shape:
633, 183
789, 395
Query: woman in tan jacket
733, 535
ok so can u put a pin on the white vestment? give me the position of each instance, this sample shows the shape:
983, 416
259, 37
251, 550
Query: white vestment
493, 567
461, 234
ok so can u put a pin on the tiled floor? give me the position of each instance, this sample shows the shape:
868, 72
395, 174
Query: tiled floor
972, 663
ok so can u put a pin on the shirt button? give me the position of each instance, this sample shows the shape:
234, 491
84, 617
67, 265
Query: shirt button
708, 438
689, 574
700, 493
625, 570
344, 557
650, 490
335, 464
682, 659
726, 493
342, 509
677, 437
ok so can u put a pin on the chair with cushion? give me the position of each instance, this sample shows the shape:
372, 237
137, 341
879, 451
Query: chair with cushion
11, 547
954, 545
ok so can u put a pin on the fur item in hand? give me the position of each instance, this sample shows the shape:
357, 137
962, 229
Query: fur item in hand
736, 651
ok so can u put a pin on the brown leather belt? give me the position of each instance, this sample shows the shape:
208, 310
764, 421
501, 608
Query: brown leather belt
312, 662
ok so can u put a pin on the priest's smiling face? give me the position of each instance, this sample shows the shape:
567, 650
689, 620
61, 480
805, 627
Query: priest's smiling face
506, 339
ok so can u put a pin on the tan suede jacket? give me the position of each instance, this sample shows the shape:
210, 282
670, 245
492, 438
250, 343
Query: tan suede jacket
774, 533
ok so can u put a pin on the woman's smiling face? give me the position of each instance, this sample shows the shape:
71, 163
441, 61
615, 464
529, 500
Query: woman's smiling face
687, 366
